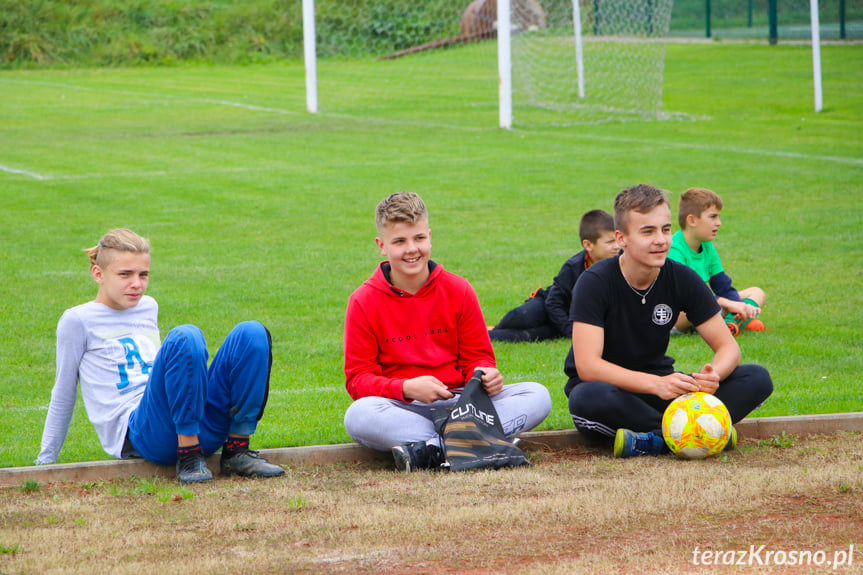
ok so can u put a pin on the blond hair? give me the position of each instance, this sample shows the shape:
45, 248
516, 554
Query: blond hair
695, 201
405, 207
120, 239
641, 198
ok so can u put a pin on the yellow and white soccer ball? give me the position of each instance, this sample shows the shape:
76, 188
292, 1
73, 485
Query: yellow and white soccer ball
696, 425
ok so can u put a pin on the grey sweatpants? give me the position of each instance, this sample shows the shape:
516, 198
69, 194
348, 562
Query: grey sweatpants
381, 424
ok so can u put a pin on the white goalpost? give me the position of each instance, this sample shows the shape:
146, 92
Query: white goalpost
504, 64
310, 56
816, 53
559, 62
589, 60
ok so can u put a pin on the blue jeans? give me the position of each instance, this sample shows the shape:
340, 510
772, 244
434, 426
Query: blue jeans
183, 397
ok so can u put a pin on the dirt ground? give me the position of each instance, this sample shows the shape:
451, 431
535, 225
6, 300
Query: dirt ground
778, 506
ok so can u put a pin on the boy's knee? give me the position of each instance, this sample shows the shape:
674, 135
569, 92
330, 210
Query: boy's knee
189, 337
360, 416
542, 399
759, 379
756, 294
253, 334
252, 329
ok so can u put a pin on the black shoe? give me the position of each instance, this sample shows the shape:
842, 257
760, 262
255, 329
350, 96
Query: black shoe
417, 455
192, 468
248, 463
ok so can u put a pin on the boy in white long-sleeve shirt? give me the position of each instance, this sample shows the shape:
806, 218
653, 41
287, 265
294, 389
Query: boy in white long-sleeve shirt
158, 401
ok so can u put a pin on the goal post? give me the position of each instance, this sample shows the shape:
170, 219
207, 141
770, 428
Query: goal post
310, 56
504, 64
558, 61
816, 53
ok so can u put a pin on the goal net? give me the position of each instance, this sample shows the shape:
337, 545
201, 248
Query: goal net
623, 51
443, 54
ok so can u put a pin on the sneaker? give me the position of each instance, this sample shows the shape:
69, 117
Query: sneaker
630, 444
417, 455
755, 325
248, 463
732, 440
733, 328
192, 468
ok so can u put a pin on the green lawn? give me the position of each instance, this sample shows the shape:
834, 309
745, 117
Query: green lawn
256, 209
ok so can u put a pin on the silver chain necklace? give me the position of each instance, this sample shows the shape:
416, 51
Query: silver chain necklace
638, 293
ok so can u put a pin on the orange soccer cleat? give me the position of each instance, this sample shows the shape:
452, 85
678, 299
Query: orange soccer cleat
732, 327
755, 325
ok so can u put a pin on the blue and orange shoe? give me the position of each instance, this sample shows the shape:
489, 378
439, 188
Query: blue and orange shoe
629, 443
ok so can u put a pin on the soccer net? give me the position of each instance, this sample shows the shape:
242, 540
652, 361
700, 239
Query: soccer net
443, 54
623, 48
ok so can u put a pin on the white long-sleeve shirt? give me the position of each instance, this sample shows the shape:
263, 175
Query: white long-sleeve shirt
110, 352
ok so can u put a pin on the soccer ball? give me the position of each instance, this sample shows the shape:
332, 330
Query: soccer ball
696, 425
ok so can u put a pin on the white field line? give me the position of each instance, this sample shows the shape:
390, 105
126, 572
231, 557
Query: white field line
27, 173
155, 97
340, 389
688, 145
729, 149
290, 391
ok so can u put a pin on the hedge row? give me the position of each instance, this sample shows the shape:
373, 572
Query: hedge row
129, 32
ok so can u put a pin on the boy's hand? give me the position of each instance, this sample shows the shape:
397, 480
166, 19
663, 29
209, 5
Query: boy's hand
674, 385
742, 310
425, 389
707, 379
492, 381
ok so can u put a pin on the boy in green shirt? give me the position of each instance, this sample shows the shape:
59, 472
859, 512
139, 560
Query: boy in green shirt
692, 245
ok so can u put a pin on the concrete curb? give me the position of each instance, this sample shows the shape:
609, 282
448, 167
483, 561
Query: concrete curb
753, 428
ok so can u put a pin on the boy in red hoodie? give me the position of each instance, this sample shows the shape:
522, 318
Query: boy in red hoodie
414, 334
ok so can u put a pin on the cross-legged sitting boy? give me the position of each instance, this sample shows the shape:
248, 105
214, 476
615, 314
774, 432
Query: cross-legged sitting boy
692, 244
623, 310
152, 400
414, 334
545, 315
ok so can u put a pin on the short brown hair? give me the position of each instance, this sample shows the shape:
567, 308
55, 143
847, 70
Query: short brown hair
593, 224
641, 198
694, 201
400, 207
120, 239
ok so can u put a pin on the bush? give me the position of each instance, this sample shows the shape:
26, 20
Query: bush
113, 33
110, 33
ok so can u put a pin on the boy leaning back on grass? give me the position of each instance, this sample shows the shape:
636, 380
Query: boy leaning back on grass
152, 400
545, 315
623, 310
414, 334
692, 245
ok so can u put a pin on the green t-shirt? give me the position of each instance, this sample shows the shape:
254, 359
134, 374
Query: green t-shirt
706, 262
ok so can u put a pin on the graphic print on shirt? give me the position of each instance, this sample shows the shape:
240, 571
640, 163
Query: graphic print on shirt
407, 338
133, 356
662, 314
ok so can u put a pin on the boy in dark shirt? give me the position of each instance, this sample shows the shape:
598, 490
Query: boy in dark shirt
545, 315
623, 310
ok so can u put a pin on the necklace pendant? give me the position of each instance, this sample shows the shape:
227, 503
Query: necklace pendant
642, 300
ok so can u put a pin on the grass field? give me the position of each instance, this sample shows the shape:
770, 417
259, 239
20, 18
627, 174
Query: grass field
256, 209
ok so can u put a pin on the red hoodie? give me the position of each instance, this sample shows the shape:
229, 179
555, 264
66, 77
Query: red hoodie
392, 335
